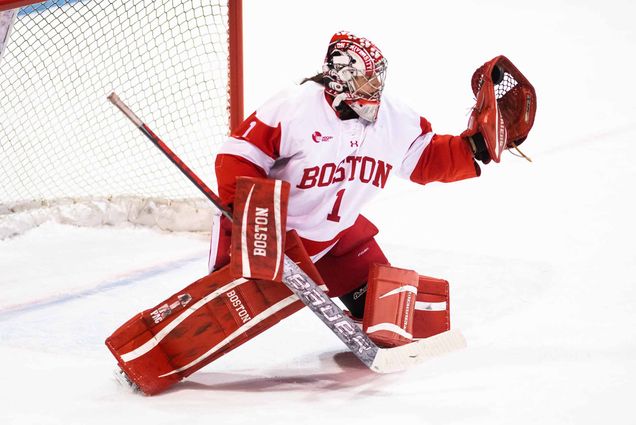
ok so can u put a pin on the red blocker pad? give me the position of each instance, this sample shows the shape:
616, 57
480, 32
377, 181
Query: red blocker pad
160, 346
258, 229
390, 303
432, 308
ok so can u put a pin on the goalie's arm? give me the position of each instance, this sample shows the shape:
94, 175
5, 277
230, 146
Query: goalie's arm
250, 151
445, 159
228, 168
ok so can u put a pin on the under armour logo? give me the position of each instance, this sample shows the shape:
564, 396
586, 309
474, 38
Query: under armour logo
354, 143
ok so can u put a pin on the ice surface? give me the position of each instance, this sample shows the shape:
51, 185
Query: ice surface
540, 256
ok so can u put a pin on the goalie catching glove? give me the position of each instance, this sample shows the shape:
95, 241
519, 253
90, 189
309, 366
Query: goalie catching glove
504, 111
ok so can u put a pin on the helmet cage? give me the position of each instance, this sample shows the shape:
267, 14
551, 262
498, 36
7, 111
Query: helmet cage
365, 85
355, 72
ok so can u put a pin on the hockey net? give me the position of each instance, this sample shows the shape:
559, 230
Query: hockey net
66, 154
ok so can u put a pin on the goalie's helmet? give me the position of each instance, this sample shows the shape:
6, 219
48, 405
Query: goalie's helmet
354, 71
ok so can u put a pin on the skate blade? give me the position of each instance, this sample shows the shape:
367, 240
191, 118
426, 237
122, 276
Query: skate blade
123, 380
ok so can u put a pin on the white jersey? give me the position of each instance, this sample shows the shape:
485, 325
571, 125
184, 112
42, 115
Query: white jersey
334, 166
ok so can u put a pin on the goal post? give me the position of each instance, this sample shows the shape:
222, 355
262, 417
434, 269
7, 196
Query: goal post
67, 155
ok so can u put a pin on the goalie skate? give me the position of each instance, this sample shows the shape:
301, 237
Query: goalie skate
125, 381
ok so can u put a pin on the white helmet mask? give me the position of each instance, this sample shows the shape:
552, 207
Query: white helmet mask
355, 72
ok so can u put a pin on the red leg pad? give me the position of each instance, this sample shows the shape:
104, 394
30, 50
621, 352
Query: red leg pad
160, 346
258, 229
389, 306
432, 307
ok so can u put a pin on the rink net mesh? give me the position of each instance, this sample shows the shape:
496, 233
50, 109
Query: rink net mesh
59, 137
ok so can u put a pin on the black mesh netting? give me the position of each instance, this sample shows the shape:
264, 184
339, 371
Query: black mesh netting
60, 137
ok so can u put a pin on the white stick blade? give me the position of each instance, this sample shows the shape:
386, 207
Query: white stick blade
396, 359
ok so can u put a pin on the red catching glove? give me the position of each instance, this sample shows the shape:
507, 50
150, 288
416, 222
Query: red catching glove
504, 111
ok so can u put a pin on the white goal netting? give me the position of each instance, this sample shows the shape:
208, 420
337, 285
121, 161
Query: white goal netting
67, 154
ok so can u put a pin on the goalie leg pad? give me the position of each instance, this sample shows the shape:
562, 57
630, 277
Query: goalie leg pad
160, 346
390, 303
432, 308
258, 228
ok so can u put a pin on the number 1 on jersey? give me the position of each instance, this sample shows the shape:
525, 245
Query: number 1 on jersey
250, 128
333, 215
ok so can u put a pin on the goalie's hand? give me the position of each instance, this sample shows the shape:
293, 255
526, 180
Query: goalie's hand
478, 146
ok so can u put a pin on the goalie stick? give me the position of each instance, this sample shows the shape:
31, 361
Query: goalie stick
381, 360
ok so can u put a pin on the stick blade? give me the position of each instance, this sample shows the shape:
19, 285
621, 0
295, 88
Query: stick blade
396, 359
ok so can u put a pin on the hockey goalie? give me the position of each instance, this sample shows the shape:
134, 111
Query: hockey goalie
296, 175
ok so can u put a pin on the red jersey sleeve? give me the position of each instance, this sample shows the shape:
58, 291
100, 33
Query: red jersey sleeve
250, 151
228, 168
445, 159
259, 134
